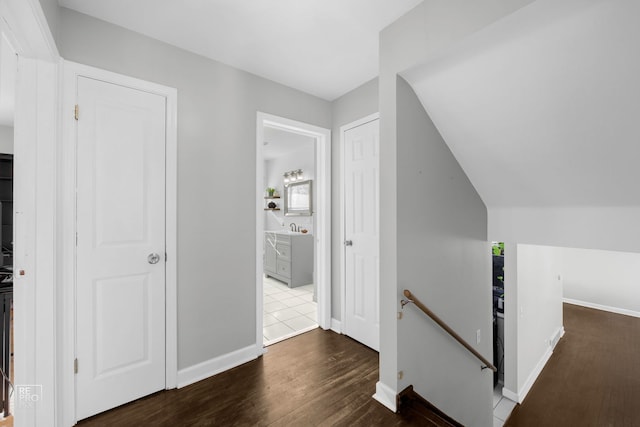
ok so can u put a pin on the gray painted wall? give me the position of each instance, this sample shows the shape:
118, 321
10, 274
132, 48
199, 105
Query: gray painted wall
301, 158
444, 259
6, 139
354, 105
414, 39
614, 228
217, 107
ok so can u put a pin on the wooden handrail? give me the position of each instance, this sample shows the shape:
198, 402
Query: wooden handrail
443, 325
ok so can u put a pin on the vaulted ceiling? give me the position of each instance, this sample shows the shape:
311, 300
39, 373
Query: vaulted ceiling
322, 47
543, 107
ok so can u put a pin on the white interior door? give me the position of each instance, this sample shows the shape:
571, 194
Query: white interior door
120, 295
361, 170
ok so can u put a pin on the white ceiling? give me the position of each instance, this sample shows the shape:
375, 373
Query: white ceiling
322, 47
278, 143
543, 107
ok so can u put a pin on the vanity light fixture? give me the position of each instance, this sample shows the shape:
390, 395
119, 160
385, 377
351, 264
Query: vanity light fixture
292, 176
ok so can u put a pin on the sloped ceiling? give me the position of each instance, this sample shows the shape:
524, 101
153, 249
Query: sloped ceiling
543, 108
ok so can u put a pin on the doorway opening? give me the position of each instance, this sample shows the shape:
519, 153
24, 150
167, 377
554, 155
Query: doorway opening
293, 226
501, 404
497, 283
289, 288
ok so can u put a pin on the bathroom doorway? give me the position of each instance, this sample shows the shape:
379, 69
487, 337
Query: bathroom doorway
293, 290
290, 300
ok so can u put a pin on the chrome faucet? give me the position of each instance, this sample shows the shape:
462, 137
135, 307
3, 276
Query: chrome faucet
294, 227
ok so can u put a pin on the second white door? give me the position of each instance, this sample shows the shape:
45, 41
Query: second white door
361, 171
120, 295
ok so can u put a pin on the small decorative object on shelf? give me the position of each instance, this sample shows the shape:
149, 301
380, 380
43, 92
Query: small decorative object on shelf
272, 205
271, 191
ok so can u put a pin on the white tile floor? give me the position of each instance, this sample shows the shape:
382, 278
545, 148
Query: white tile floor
502, 407
287, 311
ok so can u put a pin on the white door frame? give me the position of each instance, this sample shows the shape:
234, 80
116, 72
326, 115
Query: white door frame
67, 237
35, 143
322, 210
343, 237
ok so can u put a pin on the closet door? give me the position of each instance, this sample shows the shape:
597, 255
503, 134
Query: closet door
120, 306
362, 226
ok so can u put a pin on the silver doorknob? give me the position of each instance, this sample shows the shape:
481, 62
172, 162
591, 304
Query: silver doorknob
153, 258
348, 242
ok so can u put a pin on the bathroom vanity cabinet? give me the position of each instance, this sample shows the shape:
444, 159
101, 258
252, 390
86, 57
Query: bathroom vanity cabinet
288, 257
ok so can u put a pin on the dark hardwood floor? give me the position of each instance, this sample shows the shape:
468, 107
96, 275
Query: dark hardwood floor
318, 378
324, 379
592, 378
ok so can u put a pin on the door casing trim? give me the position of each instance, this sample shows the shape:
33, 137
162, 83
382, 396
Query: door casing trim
68, 158
36, 129
322, 210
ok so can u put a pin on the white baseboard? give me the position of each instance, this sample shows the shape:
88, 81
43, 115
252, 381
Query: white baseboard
555, 338
218, 364
522, 393
385, 395
336, 326
602, 307
533, 376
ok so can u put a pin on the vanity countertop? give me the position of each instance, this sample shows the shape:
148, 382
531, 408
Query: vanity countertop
288, 233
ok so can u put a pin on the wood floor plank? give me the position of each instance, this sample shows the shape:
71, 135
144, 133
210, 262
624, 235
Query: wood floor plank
324, 379
316, 379
592, 378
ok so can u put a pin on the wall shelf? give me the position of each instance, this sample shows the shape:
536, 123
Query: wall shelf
271, 209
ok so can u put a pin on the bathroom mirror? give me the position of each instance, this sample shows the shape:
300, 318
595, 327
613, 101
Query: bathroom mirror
297, 199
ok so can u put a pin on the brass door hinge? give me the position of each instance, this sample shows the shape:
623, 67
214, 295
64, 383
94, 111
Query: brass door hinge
76, 112
75, 366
